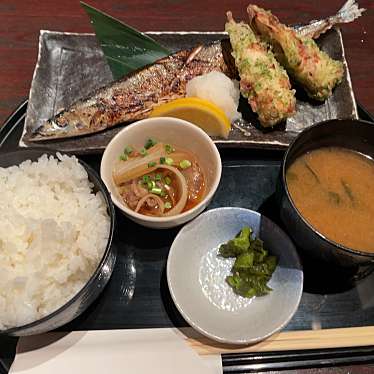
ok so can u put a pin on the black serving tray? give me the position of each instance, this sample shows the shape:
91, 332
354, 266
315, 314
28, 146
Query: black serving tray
137, 295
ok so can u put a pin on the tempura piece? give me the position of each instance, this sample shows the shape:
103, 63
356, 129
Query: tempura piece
262, 80
312, 68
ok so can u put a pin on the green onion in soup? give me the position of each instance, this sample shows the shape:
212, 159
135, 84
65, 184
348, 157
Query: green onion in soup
159, 179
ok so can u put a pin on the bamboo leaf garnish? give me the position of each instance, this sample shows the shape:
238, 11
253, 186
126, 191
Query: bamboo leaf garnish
125, 48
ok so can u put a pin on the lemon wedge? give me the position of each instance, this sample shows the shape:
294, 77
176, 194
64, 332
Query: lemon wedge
203, 113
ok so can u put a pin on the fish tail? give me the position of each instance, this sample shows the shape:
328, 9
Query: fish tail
347, 13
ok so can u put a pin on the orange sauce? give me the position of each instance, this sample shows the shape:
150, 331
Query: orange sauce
161, 186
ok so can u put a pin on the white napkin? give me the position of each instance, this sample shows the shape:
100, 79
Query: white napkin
111, 351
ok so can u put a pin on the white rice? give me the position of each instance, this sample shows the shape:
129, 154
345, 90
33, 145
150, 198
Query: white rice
219, 89
53, 232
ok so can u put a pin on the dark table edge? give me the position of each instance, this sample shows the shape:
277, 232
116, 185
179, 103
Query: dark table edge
244, 362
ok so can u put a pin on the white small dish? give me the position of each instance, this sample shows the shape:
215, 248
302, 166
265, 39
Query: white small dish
196, 278
170, 130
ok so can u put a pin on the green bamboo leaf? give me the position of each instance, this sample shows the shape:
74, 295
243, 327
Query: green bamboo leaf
125, 48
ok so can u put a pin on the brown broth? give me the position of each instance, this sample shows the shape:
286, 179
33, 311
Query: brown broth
133, 190
333, 189
196, 185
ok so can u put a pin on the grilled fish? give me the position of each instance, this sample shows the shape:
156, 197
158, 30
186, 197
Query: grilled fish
134, 96
262, 80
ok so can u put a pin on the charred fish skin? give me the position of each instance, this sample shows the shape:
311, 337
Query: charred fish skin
262, 80
314, 69
134, 96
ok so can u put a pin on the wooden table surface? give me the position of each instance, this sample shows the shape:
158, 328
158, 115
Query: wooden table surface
20, 22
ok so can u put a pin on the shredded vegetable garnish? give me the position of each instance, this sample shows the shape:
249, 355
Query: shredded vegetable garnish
169, 161
154, 184
169, 148
128, 150
167, 180
146, 178
156, 190
150, 143
184, 164
151, 185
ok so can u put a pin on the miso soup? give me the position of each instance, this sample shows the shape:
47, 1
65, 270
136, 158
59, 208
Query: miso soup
333, 189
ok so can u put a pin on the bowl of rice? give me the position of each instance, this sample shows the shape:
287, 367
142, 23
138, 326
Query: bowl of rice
56, 252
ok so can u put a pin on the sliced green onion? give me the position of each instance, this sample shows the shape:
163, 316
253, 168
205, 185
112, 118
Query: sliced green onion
151, 185
167, 205
184, 164
150, 143
162, 160
151, 164
167, 180
169, 148
156, 190
163, 193
128, 150
123, 157
146, 178
169, 161
143, 152
158, 177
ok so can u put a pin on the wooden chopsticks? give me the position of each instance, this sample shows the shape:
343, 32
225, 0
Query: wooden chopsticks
289, 340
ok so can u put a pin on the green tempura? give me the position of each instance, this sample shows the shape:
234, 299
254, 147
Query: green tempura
314, 69
262, 80
253, 266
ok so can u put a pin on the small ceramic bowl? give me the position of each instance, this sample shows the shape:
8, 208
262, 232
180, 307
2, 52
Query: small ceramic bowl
196, 278
174, 131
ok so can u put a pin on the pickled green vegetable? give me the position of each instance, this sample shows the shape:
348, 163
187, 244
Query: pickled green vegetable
238, 245
253, 266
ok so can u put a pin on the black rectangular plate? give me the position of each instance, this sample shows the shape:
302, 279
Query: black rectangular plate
71, 66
